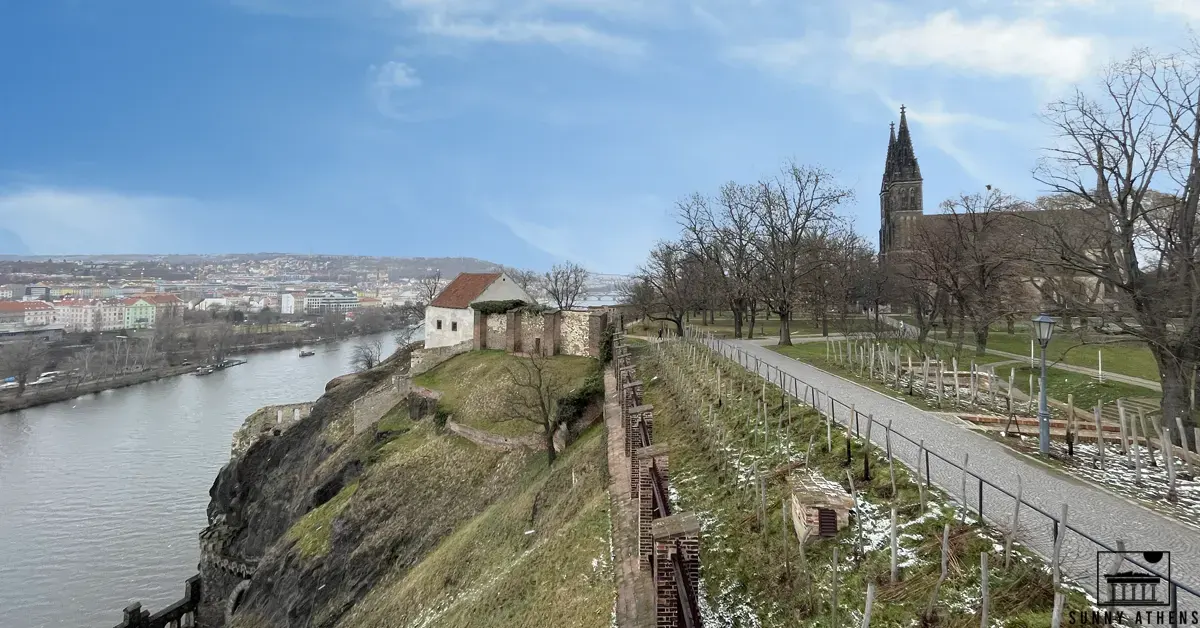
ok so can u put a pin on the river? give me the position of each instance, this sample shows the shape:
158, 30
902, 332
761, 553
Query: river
102, 497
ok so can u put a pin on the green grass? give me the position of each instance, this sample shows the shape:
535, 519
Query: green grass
751, 566
472, 386
312, 532
1077, 348
539, 557
722, 326
1088, 391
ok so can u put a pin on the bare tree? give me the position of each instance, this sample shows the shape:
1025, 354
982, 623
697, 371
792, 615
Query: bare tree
429, 286
565, 283
665, 271
21, 360
639, 295
533, 396
1142, 130
367, 354
794, 211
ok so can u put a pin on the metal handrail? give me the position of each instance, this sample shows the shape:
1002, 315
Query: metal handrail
857, 415
644, 434
661, 504
687, 605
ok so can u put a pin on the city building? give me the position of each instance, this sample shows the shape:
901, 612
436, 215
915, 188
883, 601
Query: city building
330, 301
26, 313
165, 305
288, 301
112, 315
6, 293
449, 318
139, 313
78, 315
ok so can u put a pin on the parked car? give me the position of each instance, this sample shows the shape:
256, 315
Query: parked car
9, 385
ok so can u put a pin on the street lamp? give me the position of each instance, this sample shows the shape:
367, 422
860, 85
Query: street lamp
1043, 329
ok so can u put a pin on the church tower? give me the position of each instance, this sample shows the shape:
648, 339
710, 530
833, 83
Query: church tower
900, 196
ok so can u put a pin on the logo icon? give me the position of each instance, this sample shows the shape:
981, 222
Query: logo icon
1126, 579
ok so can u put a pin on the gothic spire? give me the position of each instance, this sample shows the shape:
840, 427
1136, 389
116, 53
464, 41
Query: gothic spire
902, 163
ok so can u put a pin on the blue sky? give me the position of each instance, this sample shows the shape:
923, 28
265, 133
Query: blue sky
520, 131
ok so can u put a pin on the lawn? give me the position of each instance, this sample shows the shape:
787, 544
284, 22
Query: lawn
1126, 357
722, 326
473, 385
1088, 391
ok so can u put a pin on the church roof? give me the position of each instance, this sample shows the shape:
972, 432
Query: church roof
902, 160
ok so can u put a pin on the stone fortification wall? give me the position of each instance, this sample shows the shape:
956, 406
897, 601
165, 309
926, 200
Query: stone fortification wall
371, 407
271, 419
425, 359
567, 332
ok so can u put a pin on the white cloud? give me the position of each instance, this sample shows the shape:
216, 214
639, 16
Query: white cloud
532, 22
1187, 9
387, 79
531, 31
584, 233
1023, 47
53, 221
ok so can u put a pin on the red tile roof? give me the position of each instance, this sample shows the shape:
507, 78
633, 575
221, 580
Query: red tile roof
24, 306
161, 298
465, 288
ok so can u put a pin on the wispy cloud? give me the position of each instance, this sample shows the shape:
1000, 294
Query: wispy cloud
531, 31
1187, 9
386, 80
53, 221
584, 233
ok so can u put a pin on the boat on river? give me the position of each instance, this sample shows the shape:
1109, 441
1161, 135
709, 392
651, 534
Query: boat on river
209, 369
305, 354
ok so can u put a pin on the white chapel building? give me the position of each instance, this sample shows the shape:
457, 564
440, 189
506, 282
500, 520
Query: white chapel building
449, 318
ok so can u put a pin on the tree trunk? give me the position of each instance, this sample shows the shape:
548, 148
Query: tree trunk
753, 316
679, 326
981, 339
824, 323
1176, 378
737, 321
1012, 324
550, 453
785, 326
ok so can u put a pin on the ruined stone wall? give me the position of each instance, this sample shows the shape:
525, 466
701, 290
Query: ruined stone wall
267, 420
574, 332
497, 327
531, 328
371, 407
425, 359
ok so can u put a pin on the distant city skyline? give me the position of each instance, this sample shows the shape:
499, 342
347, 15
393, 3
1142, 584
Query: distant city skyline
524, 135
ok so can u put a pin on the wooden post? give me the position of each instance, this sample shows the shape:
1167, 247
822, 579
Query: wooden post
1137, 453
1099, 437
1145, 431
833, 604
1056, 564
1012, 373
974, 383
867, 449
942, 577
1168, 460
983, 589
1016, 522
1056, 618
891, 464
895, 546
866, 620
957, 393
1124, 433
1100, 364
1071, 437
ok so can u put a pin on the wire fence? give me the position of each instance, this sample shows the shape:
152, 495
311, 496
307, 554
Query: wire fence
1079, 554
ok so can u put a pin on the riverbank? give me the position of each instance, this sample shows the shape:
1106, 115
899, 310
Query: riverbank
66, 392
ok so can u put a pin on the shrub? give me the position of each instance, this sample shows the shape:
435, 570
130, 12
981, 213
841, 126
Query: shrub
572, 405
497, 307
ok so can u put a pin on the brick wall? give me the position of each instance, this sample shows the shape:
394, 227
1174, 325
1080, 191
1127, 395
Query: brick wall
677, 534
548, 333
644, 496
573, 333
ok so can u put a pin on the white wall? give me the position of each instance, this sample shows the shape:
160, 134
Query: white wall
503, 289
445, 337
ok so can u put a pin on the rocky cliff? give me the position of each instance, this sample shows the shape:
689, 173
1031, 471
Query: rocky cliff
403, 524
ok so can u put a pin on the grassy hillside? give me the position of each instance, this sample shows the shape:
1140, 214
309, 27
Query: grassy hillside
472, 385
431, 530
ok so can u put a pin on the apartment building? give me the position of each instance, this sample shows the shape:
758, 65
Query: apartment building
330, 301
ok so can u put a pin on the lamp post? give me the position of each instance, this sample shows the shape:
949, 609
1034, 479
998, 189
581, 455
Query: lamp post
1043, 328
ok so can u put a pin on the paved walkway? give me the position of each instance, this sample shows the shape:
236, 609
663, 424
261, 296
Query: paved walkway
635, 603
1093, 511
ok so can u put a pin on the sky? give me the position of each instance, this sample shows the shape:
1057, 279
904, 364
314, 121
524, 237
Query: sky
525, 132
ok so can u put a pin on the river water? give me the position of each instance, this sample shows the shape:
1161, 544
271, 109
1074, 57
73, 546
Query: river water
102, 497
